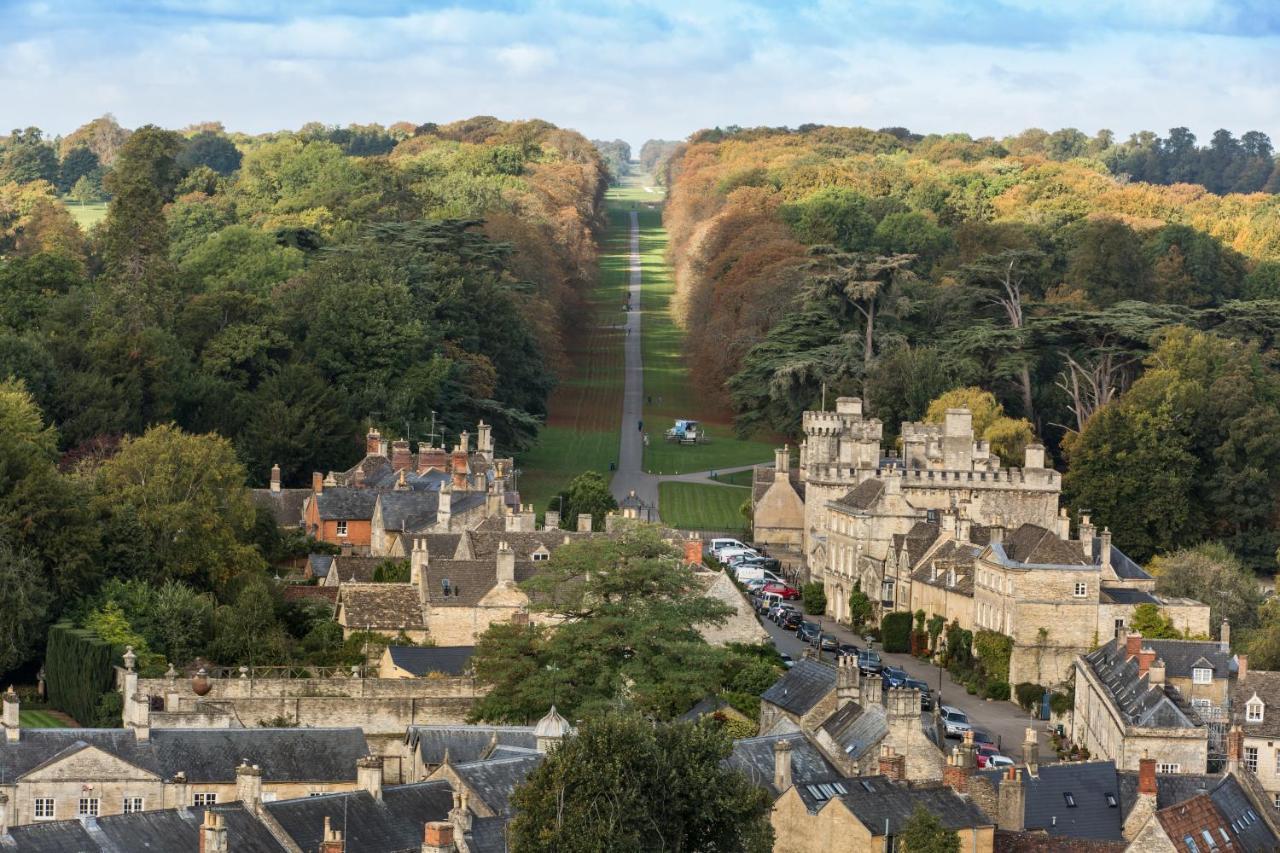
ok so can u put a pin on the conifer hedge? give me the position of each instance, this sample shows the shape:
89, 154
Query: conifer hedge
79, 669
895, 632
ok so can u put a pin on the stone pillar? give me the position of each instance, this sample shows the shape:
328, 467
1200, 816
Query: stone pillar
584, 522
782, 765
369, 775
460, 815
506, 567
275, 479
4, 815
249, 784
437, 837
1033, 457
213, 833
1012, 808
12, 728
1031, 751
484, 439
172, 698
444, 506
781, 463
552, 520
1224, 635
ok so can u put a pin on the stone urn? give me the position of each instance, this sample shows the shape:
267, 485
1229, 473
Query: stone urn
200, 684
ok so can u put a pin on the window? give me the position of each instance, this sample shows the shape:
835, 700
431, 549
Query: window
205, 799
1201, 675
1119, 625
1251, 758
540, 556
88, 807
1253, 710
1208, 839
1163, 767
342, 528
1277, 803
44, 808
1082, 589
1191, 844
1200, 703
1112, 802
132, 804
1070, 798
316, 794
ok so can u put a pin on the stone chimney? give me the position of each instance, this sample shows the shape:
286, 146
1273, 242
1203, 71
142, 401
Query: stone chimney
1033, 456
1086, 535
506, 564
431, 457
1146, 656
248, 783
955, 775
1104, 547
1235, 748
401, 458
902, 703
967, 752
444, 506
275, 479
464, 442
437, 837
584, 522
892, 764
1031, 751
1012, 808
782, 765
460, 815
213, 833
1224, 635
781, 463
484, 439
1155, 673
418, 559
12, 728
369, 775
693, 552
331, 842
528, 518
1132, 645
1147, 776
1064, 524
847, 681
373, 443
995, 533
459, 468
317, 482
551, 520
963, 526
1242, 667
870, 691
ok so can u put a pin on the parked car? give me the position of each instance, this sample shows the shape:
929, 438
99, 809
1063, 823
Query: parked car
894, 676
788, 592
869, 662
787, 660
848, 650
926, 695
983, 739
955, 720
772, 564
791, 621
808, 631
724, 555
989, 756
749, 574
718, 545
785, 608
828, 642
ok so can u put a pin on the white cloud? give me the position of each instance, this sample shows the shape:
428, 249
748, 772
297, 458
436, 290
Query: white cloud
525, 58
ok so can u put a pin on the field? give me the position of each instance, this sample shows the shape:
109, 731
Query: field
694, 506
737, 478
668, 393
585, 410
39, 720
86, 215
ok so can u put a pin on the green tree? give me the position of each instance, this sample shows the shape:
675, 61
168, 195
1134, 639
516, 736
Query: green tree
79, 164
622, 784
25, 598
925, 833
210, 149
815, 598
861, 608
1150, 622
1007, 436
1209, 572
587, 493
185, 496
248, 632
628, 615
85, 191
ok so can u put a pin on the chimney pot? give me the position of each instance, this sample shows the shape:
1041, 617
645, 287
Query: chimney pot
1147, 776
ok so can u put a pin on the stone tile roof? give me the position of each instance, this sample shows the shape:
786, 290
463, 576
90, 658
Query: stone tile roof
753, 756
1197, 818
160, 831
1142, 703
357, 569
1267, 687
391, 824
343, 503
1171, 788
450, 660
495, 781
385, 606
957, 555
1042, 842
285, 755
430, 481
862, 496
307, 592
469, 580
916, 541
1032, 544
407, 510
856, 729
464, 743
1093, 815
285, 506
801, 687
882, 805
37, 747
1181, 656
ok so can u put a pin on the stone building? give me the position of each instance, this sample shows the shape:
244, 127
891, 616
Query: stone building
1255, 716
777, 502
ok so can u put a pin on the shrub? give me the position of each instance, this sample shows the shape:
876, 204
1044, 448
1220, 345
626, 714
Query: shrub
993, 650
1028, 695
1061, 703
997, 690
971, 689
895, 631
815, 598
860, 608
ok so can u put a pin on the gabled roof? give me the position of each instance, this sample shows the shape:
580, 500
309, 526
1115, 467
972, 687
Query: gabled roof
1267, 687
1124, 568
408, 510
320, 564
353, 568
160, 831
801, 687
429, 481
1236, 807
285, 506
1034, 545
884, 806
495, 781
469, 580
343, 503
307, 592
285, 755
1198, 819
1142, 703
465, 743
958, 556
393, 823
1088, 783
857, 730
384, 606
1182, 656
863, 496
754, 757
36, 747
449, 660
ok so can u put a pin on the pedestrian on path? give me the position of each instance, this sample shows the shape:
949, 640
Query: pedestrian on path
640, 426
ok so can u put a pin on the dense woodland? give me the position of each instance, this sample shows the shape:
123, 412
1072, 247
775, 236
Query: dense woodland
1133, 324
249, 301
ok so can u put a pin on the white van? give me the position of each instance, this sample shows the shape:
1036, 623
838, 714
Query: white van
719, 544
755, 573
726, 554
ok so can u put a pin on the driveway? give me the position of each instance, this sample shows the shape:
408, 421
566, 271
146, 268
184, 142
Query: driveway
1004, 721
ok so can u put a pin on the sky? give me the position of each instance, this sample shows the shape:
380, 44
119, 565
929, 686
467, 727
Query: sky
642, 69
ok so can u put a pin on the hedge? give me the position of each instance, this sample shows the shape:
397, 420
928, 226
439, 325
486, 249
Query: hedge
815, 598
993, 650
895, 632
79, 667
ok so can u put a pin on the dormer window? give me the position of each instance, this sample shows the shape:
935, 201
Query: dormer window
541, 555
1253, 710
1201, 675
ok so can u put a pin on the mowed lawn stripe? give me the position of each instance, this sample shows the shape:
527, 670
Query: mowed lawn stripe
694, 506
39, 720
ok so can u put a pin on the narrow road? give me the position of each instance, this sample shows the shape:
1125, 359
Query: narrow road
631, 475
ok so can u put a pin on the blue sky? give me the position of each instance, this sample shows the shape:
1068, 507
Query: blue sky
648, 68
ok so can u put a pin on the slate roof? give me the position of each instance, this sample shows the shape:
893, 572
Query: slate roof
1181, 656
884, 805
286, 506
63, 836
1238, 810
856, 729
343, 503
862, 496
1135, 697
1267, 686
285, 755
160, 831
387, 606
469, 580
488, 835
357, 569
950, 554
408, 510
1124, 595
450, 660
392, 824
706, 705
37, 747
371, 468
430, 481
802, 687
1170, 787
753, 756
1088, 782
1123, 567
495, 781
1034, 545
320, 564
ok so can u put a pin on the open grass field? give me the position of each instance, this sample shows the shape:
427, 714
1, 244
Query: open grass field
585, 409
39, 720
737, 478
694, 506
86, 215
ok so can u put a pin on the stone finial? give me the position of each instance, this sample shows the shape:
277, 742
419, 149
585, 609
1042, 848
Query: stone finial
130, 659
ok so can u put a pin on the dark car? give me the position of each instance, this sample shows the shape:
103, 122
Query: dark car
869, 662
828, 642
926, 695
848, 650
893, 676
770, 564
787, 660
792, 620
779, 611
808, 631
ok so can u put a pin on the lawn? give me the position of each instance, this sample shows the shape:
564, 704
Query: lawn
39, 720
86, 215
695, 506
738, 478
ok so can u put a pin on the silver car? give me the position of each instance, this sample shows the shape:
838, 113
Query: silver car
955, 720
